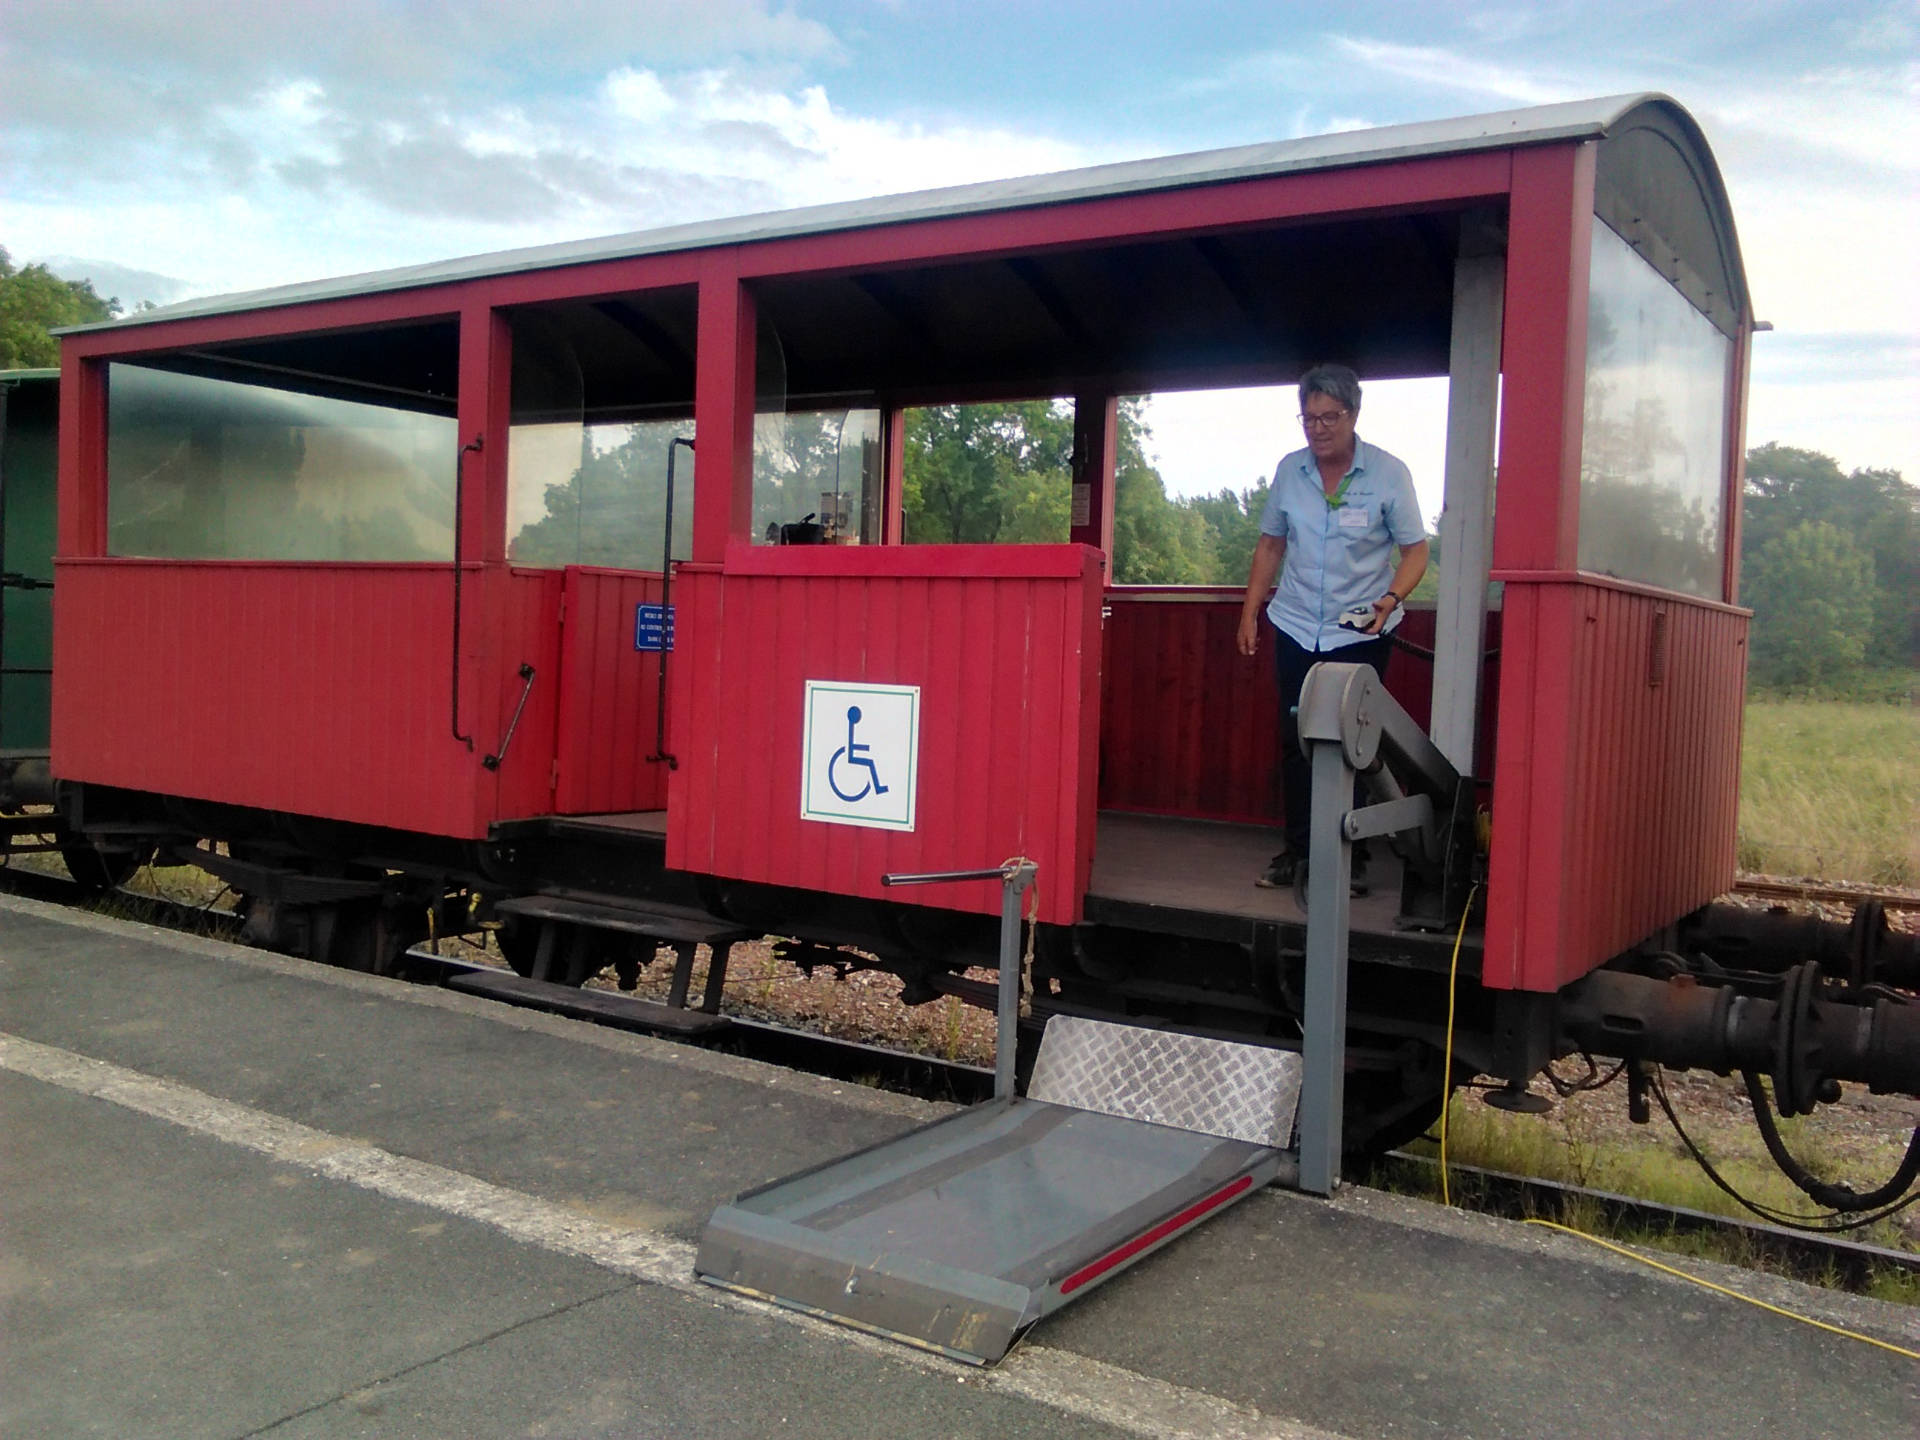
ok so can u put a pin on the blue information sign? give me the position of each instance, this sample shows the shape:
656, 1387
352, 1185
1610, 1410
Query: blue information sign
653, 627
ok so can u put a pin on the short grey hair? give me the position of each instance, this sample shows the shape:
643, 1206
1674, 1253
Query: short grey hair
1336, 382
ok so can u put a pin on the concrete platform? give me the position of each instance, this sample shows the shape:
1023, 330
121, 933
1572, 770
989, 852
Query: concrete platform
243, 1195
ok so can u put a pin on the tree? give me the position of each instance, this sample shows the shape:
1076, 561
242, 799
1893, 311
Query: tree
611, 508
35, 301
1232, 518
988, 474
1876, 509
1002, 474
1156, 541
1818, 613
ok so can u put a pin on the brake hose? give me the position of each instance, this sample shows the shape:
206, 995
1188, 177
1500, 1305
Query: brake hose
1824, 1192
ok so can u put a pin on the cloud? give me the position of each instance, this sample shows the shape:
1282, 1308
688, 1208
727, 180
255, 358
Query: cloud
1840, 358
117, 91
1813, 113
1440, 68
357, 135
129, 286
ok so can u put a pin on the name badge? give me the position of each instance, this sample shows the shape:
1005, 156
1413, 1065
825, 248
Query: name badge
1352, 518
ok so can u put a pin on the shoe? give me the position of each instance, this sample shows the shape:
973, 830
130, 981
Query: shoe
1287, 871
1279, 872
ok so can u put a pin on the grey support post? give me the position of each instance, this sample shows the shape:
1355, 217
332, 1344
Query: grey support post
1331, 694
1323, 1082
1014, 876
1466, 521
1349, 723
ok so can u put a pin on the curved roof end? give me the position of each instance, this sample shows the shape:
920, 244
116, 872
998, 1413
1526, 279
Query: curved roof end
1658, 186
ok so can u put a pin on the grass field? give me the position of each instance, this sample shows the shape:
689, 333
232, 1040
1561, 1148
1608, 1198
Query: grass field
1831, 790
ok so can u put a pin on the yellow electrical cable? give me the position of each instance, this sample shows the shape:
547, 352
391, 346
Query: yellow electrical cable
1735, 1294
1446, 1056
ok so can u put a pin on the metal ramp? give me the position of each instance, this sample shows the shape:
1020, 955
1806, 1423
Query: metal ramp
959, 1235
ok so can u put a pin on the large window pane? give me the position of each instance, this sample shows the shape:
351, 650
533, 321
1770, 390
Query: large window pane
200, 467
596, 494
1653, 453
989, 474
589, 487
818, 466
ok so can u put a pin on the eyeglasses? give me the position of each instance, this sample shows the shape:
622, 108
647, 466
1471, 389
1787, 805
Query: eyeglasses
1325, 421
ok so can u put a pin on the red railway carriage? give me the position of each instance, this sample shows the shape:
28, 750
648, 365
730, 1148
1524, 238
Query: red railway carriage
375, 579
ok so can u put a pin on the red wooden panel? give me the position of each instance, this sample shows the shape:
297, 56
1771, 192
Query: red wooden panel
723, 410
314, 689
1008, 669
1058, 562
693, 700
486, 406
1616, 787
525, 605
608, 697
82, 481
1082, 705
1189, 726
1543, 356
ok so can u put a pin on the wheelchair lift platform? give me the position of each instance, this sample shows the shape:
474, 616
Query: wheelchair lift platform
959, 1235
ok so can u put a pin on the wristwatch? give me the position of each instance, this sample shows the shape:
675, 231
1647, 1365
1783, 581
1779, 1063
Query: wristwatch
1397, 601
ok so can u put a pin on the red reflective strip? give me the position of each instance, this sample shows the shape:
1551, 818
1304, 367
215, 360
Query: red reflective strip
1133, 1247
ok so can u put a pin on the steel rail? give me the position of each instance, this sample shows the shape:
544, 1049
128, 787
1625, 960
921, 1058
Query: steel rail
1804, 1255
1825, 893
133, 904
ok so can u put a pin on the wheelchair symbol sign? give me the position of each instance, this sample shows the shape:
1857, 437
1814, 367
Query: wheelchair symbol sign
860, 757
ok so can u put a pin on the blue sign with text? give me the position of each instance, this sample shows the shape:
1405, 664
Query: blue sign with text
653, 627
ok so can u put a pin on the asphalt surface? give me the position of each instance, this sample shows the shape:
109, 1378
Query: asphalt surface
243, 1195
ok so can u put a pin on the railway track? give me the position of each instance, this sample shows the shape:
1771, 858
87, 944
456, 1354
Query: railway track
1820, 1258
1766, 887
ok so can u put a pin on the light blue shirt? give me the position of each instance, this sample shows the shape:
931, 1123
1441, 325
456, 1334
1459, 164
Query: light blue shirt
1337, 557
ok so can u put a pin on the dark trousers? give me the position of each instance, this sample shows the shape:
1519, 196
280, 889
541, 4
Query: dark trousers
1291, 663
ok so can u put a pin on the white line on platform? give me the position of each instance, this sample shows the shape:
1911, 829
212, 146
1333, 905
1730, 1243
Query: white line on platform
1073, 1384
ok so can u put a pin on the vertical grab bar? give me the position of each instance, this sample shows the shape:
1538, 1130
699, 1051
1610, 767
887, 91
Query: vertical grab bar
666, 618
476, 445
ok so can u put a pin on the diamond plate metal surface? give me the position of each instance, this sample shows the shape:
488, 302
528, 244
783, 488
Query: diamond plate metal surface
1216, 1087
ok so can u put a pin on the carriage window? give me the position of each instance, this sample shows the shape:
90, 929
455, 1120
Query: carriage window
596, 494
817, 468
1653, 448
592, 424
218, 458
989, 474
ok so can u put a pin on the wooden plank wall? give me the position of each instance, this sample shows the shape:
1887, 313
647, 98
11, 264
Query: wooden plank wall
1190, 727
1004, 644
608, 697
316, 689
1616, 797
523, 609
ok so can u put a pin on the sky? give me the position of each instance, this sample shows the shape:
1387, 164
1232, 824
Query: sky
176, 148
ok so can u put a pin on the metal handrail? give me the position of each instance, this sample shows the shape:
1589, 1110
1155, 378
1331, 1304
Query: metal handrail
1014, 875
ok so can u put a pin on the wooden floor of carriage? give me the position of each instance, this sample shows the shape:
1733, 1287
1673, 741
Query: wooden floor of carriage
241, 1194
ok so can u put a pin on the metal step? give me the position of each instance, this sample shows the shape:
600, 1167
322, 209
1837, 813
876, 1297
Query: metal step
959, 1235
670, 925
623, 1011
